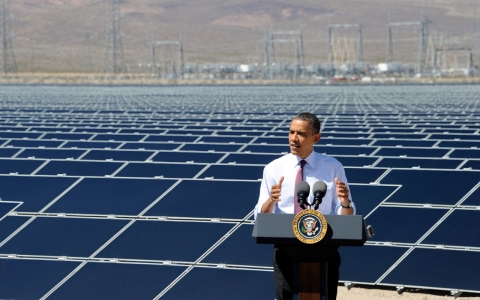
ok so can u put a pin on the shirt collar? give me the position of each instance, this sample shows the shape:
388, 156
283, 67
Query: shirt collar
310, 159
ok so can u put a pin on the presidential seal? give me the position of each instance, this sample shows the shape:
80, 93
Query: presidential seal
309, 226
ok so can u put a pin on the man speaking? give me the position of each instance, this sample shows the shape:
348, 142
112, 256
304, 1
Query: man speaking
277, 194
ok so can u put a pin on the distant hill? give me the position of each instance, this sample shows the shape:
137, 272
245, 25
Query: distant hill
69, 35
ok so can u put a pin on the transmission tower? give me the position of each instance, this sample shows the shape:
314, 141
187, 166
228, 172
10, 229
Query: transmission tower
165, 44
468, 50
273, 37
114, 61
8, 64
422, 44
359, 52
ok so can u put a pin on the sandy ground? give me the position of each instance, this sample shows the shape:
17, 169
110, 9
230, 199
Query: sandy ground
366, 293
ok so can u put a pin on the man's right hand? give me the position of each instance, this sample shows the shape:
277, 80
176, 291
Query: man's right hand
276, 191
275, 194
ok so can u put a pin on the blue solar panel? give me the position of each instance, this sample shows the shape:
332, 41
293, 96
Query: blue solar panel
38, 275
473, 199
254, 285
234, 172
184, 156
67, 136
51, 153
79, 168
35, 192
19, 166
225, 139
122, 155
368, 263
439, 185
462, 153
119, 137
346, 150
92, 145
19, 135
405, 143
35, 143
6, 207
117, 281
427, 163
62, 236
267, 148
165, 240
173, 138
189, 193
443, 268
151, 146
247, 158
363, 175
212, 147
110, 196
6, 152
9, 224
452, 231
367, 197
413, 152
160, 169
402, 224
240, 249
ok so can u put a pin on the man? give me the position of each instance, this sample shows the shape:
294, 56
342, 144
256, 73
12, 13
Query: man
278, 188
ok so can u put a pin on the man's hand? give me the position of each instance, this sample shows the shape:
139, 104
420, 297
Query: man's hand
275, 193
342, 192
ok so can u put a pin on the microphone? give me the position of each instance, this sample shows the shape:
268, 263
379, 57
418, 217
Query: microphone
319, 190
302, 191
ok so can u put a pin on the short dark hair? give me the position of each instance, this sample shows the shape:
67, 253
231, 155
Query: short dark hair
311, 119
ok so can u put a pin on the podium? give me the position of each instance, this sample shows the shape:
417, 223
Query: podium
311, 259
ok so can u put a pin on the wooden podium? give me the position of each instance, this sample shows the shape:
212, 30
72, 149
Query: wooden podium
311, 259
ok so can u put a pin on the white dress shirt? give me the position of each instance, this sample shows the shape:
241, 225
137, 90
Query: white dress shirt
318, 167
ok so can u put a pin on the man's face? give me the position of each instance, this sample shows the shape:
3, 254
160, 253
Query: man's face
301, 138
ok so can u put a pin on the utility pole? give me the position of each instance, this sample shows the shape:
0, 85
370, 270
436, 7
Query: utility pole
8, 63
114, 61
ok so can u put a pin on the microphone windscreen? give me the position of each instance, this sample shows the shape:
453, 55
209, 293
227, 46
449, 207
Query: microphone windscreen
302, 188
321, 187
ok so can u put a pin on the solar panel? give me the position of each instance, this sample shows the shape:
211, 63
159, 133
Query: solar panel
117, 280
373, 263
34, 143
19, 166
443, 268
167, 170
403, 224
211, 147
233, 172
147, 240
122, 155
413, 152
254, 285
226, 202
425, 163
240, 249
72, 237
452, 231
110, 196
51, 153
39, 275
172, 138
92, 145
32, 190
439, 185
151, 146
363, 175
79, 168
187, 156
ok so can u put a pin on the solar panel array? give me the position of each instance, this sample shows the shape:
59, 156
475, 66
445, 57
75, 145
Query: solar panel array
148, 192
